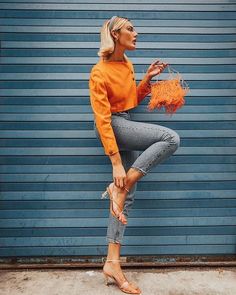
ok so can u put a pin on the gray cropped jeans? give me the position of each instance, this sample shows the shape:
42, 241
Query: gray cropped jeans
156, 142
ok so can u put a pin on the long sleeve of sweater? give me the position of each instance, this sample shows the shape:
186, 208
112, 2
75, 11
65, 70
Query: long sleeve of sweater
143, 89
102, 112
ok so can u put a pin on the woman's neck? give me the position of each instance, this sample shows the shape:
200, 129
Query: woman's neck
113, 58
116, 55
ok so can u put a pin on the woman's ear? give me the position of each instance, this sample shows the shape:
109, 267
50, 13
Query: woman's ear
114, 35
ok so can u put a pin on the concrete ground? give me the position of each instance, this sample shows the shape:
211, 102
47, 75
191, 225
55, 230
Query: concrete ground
152, 281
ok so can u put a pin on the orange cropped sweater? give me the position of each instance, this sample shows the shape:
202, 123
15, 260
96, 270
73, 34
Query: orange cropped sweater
112, 88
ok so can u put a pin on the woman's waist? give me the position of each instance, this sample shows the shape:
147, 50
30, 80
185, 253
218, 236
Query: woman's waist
125, 114
122, 112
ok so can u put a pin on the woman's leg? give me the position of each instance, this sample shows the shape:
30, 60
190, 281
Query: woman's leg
157, 143
115, 229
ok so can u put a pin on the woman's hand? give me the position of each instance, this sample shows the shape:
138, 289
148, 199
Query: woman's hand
119, 175
155, 69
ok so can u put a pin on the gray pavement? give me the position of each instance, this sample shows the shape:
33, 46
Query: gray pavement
152, 281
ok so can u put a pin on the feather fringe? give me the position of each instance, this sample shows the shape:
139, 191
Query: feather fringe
168, 94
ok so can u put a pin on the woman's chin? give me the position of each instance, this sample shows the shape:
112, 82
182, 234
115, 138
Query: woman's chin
133, 47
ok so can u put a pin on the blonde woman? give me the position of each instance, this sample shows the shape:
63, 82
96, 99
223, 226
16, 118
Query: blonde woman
113, 93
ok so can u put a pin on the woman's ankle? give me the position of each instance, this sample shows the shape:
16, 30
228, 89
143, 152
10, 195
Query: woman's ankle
122, 190
112, 264
112, 259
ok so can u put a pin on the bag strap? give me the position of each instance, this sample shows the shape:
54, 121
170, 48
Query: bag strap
182, 81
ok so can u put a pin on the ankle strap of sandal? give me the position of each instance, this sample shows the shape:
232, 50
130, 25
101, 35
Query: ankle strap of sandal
104, 259
126, 189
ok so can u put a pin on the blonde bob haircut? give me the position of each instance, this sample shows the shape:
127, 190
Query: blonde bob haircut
107, 44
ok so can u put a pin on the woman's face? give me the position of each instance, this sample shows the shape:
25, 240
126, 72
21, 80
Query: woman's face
127, 36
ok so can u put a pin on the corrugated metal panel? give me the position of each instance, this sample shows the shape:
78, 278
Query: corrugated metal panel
53, 169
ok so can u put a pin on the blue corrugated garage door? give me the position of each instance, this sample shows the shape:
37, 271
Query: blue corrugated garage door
53, 168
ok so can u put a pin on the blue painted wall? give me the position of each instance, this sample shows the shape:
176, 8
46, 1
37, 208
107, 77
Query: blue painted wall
53, 169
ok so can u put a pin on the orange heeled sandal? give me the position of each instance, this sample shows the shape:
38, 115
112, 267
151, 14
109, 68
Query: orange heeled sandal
108, 193
123, 287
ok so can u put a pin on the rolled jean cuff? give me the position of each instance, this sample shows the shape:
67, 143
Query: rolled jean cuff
140, 169
110, 240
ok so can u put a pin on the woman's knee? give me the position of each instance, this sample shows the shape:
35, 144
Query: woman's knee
174, 139
177, 140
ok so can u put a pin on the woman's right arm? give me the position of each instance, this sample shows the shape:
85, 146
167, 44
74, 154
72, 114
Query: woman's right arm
102, 115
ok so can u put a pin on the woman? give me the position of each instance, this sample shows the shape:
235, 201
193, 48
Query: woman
113, 92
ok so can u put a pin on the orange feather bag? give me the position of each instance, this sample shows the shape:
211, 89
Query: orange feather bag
168, 93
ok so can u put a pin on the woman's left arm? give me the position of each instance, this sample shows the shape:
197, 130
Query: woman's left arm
144, 86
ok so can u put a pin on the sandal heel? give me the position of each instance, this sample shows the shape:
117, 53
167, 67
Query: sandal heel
104, 195
105, 279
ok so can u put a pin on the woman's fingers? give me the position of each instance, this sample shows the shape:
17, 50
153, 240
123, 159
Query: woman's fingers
117, 182
120, 182
159, 65
162, 66
157, 61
